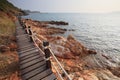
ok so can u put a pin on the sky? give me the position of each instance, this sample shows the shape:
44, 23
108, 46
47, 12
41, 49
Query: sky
79, 6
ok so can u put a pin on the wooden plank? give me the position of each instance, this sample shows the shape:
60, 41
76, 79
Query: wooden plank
23, 35
20, 47
34, 72
23, 43
25, 71
23, 40
50, 77
28, 53
29, 56
29, 59
28, 50
25, 48
31, 63
41, 75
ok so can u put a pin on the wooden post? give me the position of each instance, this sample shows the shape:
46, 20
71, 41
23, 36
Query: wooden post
47, 54
24, 26
30, 33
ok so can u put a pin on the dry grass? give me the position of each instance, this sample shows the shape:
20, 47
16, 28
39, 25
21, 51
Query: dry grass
7, 28
8, 64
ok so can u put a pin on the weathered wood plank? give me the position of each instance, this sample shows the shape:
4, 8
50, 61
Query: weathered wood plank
23, 66
25, 48
30, 45
28, 53
34, 72
29, 59
29, 56
27, 70
28, 50
41, 75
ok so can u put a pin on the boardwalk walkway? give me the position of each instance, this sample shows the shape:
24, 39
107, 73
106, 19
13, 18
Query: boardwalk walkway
31, 60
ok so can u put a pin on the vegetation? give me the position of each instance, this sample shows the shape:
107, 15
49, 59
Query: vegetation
8, 60
7, 18
8, 7
7, 26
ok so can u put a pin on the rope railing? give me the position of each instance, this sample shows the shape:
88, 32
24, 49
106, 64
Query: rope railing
47, 52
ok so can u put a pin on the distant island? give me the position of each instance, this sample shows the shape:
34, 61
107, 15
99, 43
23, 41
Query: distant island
29, 11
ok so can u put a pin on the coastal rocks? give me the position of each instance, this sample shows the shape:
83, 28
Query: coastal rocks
57, 46
43, 28
76, 47
62, 52
105, 75
68, 48
58, 22
115, 71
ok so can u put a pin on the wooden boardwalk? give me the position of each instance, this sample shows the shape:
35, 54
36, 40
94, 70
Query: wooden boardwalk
31, 60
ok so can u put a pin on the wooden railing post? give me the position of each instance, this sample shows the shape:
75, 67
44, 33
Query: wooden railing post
47, 54
24, 27
30, 33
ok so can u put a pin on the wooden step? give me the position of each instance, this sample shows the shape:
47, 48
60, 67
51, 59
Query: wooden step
30, 45
28, 53
31, 63
28, 56
29, 59
27, 70
22, 39
28, 50
22, 47
34, 72
24, 44
41, 75
23, 35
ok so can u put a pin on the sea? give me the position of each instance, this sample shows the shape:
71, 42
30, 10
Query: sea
96, 31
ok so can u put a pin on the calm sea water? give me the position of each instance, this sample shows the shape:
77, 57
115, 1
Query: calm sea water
95, 31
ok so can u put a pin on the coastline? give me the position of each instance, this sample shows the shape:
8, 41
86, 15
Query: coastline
86, 64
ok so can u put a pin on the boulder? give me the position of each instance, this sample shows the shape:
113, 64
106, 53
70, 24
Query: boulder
75, 47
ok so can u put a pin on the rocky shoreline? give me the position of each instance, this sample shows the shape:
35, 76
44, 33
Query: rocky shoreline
80, 62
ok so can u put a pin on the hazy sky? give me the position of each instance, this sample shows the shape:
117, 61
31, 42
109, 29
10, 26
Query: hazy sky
69, 5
